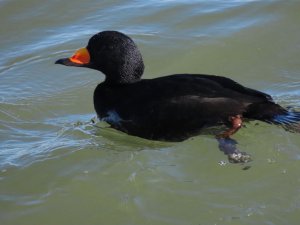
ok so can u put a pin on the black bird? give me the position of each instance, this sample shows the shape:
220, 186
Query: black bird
174, 107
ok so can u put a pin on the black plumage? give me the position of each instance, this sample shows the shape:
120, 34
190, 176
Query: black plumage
172, 107
178, 106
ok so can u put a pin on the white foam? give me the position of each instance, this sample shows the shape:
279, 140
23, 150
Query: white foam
113, 117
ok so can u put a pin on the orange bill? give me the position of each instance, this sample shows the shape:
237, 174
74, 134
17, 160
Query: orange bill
81, 56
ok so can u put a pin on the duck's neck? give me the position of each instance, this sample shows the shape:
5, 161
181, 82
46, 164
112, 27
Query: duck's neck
119, 82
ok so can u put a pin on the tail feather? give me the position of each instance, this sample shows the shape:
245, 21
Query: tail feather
289, 121
271, 112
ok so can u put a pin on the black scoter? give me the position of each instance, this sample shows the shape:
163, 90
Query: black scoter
171, 108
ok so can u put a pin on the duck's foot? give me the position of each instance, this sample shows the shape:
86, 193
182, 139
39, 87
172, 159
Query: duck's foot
228, 146
236, 124
239, 157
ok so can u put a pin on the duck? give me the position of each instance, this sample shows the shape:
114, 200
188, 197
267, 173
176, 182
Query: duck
173, 107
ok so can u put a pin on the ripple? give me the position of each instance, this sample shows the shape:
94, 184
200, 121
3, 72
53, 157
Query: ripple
33, 141
53, 158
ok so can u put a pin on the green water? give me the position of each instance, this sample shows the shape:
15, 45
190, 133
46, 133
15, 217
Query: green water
57, 167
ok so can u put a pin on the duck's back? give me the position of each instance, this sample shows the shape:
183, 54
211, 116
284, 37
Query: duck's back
174, 107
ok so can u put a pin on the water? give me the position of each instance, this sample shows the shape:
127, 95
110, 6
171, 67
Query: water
57, 167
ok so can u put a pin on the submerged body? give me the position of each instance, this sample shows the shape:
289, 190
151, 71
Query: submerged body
177, 107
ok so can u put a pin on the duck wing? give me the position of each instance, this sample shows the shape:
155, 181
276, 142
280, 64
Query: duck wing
178, 106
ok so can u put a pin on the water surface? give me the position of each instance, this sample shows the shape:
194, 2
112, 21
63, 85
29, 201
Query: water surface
57, 167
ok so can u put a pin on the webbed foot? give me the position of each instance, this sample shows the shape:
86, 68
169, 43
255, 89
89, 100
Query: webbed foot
228, 146
236, 124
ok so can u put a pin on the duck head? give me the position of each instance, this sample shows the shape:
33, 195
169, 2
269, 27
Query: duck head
111, 52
